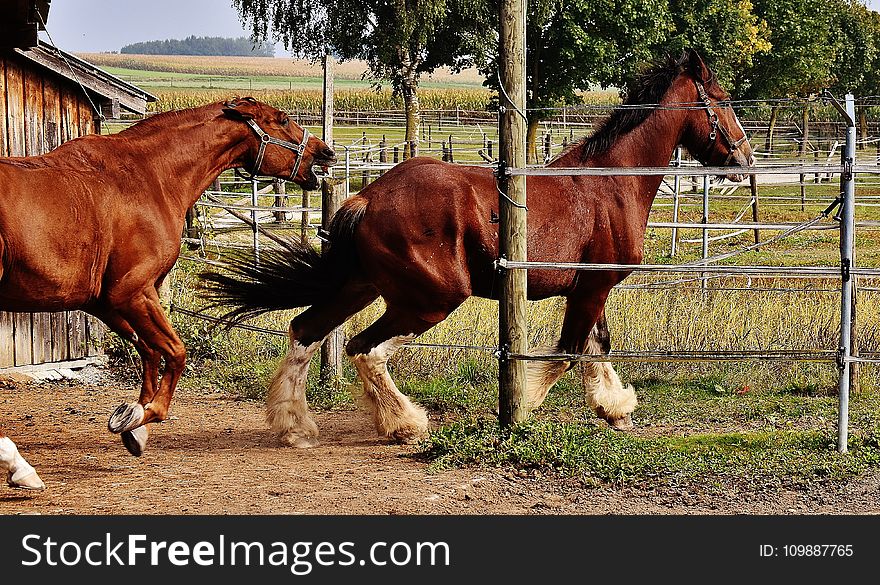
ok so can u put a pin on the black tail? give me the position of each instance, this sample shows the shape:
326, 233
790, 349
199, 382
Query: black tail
294, 275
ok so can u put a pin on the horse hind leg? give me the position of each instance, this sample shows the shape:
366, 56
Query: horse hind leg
394, 415
287, 410
19, 473
603, 390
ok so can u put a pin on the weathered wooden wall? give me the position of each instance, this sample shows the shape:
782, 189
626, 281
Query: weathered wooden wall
37, 113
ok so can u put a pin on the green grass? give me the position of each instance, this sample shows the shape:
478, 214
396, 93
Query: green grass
687, 432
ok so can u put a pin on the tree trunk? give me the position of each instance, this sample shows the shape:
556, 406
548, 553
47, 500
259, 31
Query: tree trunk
768, 143
805, 121
863, 125
409, 93
532, 140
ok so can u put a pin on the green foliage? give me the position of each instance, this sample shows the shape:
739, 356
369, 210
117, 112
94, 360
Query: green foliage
803, 49
193, 45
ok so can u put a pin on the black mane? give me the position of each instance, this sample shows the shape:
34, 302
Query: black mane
648, 88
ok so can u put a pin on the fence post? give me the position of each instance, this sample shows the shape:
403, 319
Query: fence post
676, 184
705, 221
331, 349
451, 152
847, 237
512, 336
280, 189
753, 185
256, 226
383, 154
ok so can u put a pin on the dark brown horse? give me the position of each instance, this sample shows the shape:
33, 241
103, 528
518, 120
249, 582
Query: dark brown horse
423, 238
96, 225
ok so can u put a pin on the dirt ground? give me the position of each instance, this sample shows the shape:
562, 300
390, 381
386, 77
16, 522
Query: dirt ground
216, 456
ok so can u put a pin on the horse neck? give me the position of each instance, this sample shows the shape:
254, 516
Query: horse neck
650, 144
191, 152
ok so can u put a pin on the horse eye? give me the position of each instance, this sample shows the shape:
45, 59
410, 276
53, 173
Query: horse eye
285, 121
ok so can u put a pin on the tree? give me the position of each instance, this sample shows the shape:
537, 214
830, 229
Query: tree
727, 33
400, 40
576, 45
856, 67
799, 65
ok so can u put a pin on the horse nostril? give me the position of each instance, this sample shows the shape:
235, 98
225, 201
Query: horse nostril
328, 152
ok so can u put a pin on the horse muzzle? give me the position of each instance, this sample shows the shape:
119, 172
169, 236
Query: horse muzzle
740, 161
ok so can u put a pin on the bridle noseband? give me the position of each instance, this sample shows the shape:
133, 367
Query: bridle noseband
717, 127
265, 140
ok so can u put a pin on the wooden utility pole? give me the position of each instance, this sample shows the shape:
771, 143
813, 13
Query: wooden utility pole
331, 349
512, 128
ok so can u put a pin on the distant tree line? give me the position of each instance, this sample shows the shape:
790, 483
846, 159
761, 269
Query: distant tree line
193, 45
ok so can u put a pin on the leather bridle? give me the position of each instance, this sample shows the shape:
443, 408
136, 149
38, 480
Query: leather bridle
717, 126
265, 140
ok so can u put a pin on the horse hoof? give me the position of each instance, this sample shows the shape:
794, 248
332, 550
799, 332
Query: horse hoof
31, 481
624, 423
408, 435
126, 417
135, 440
299, 441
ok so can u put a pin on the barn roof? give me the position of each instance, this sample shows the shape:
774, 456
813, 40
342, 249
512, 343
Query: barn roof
19, 31
96, 81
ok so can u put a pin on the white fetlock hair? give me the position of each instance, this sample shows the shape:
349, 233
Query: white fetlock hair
542, 374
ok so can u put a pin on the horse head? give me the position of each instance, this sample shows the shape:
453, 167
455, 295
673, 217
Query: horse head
716, 137
280, 147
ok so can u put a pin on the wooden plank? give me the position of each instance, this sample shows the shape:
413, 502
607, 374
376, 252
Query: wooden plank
7, 348
59, 337
86, 116
14, 109
4, 150
76, 334
41, 337
52, 113
94, 336
34, 143
69, 116
24, 351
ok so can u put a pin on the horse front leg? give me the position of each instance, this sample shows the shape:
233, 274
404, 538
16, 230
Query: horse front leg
19, 473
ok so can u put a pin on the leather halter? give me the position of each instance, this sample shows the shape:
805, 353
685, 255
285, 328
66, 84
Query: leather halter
717, 127
265, 140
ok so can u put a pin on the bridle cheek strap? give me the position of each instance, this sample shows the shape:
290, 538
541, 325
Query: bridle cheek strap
717, 127
265, 140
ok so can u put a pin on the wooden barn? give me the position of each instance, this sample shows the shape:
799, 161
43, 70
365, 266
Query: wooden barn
48, 96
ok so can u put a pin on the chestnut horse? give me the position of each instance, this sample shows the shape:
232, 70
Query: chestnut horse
423, 237
96, 224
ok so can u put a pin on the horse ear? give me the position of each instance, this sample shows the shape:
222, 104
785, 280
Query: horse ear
240, 109
697, 67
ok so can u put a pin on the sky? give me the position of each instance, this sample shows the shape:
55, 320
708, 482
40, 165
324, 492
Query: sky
94, 26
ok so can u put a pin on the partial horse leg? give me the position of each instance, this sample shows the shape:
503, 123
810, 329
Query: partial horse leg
19, 473
135, 440
287, 411
145, 315
584, 330
394, 415
605, 393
